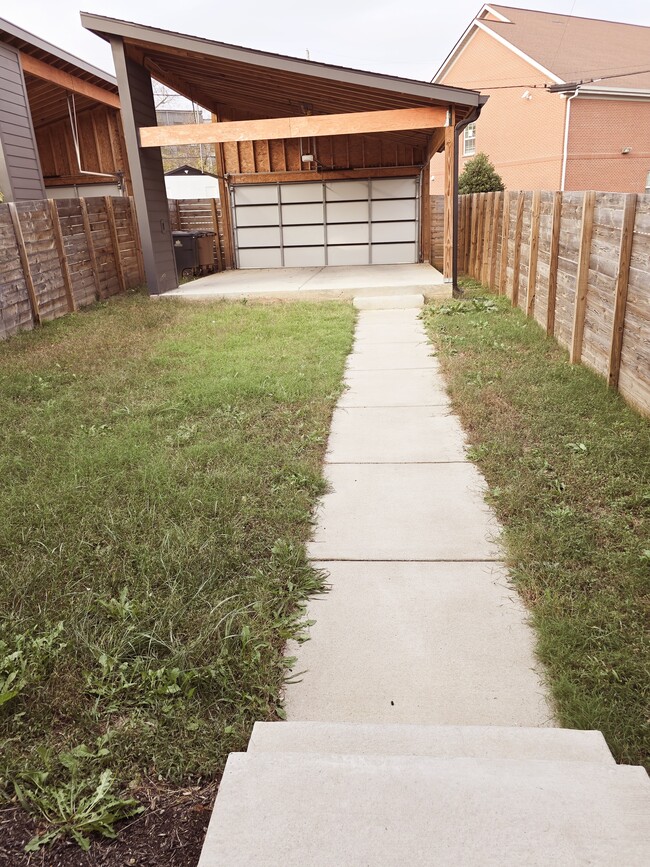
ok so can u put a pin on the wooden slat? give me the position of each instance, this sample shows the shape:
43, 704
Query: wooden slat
110, 213
505, 235
423, 118
533, 253
582, 277
496, 208
620, 297
517, 251
554, 257
449, 240
24, 261
50, 73
136, 237
63, 259
487, 232
91, 247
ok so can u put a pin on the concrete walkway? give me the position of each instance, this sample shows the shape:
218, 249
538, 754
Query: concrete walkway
316, 284
421, 624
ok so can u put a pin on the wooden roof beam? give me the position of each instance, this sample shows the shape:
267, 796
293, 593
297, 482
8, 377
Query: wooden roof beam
69, 82
425, 117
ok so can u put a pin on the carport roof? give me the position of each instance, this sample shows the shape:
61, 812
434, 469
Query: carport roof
263, 84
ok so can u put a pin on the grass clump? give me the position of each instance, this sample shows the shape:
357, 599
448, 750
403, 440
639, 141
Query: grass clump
159, 463
568, 467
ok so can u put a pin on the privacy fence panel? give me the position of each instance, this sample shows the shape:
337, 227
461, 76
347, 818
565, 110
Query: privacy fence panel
579, 263
59, 255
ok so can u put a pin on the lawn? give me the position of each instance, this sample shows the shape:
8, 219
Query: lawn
568, 467
159, 464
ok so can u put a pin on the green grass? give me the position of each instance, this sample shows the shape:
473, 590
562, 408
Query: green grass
159, 463
568, 466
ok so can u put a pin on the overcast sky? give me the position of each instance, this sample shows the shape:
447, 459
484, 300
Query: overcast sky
410, 38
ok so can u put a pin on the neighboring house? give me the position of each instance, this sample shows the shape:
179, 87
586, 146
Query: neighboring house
60, 123
594, 135
186, 182
200, 156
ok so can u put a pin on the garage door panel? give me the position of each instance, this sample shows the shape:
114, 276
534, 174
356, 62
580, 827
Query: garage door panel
394, 231
258, 194
393, 254
304, 257
346, 191
307, 192
400, 209
394, 188
308, 213
347, 212
257, 215
296, 236
270, 258
259, 236
348, 255
348, 233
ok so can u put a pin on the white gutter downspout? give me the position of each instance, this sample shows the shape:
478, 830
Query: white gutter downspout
565, 149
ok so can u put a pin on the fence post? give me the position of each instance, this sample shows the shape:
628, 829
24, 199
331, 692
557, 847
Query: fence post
110, 213
91, 248
24, 261
63, 259
533, 254
487, 234
474, 239
505, 237
491, 278
517, 252
620, 297
582, 278
553, 262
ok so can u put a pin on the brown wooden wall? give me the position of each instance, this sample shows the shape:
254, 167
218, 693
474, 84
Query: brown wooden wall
59, 255
101, 144
579, 263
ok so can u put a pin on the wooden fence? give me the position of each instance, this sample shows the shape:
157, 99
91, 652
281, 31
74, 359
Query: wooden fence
195, 214
57, 255
437, 231
579, 263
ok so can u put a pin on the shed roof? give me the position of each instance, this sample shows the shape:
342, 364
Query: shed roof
262, 84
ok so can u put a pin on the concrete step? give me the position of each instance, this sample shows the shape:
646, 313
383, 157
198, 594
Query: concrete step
481, 742
291, 810
388, 301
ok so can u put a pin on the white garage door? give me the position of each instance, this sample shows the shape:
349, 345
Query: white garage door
364, 222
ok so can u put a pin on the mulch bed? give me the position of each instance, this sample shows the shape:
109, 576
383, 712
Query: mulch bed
169, 833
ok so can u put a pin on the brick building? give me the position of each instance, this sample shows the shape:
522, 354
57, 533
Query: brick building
593, 135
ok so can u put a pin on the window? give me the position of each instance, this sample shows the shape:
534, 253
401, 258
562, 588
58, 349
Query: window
469, 140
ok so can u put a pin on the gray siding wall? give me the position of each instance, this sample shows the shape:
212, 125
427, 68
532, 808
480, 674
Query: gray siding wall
136, 97
20, 169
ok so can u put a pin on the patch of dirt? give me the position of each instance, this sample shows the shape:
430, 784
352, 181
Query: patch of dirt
169, 833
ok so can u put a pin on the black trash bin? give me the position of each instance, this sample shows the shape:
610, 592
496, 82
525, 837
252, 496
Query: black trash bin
194, 253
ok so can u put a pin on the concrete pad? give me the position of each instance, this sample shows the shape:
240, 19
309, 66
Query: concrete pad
404, 512
292, 810
388, 302
426, 643
317, 284
389, 326
394, 388
480, 742
409, 434
392, 356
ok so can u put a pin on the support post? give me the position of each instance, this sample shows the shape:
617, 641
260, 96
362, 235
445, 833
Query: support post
449, 239
24, 262
553, 262
533, 254
582, 277
110, 213
622, 279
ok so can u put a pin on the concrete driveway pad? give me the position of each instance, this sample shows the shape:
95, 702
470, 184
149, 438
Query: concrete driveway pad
404, 512
408, 434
